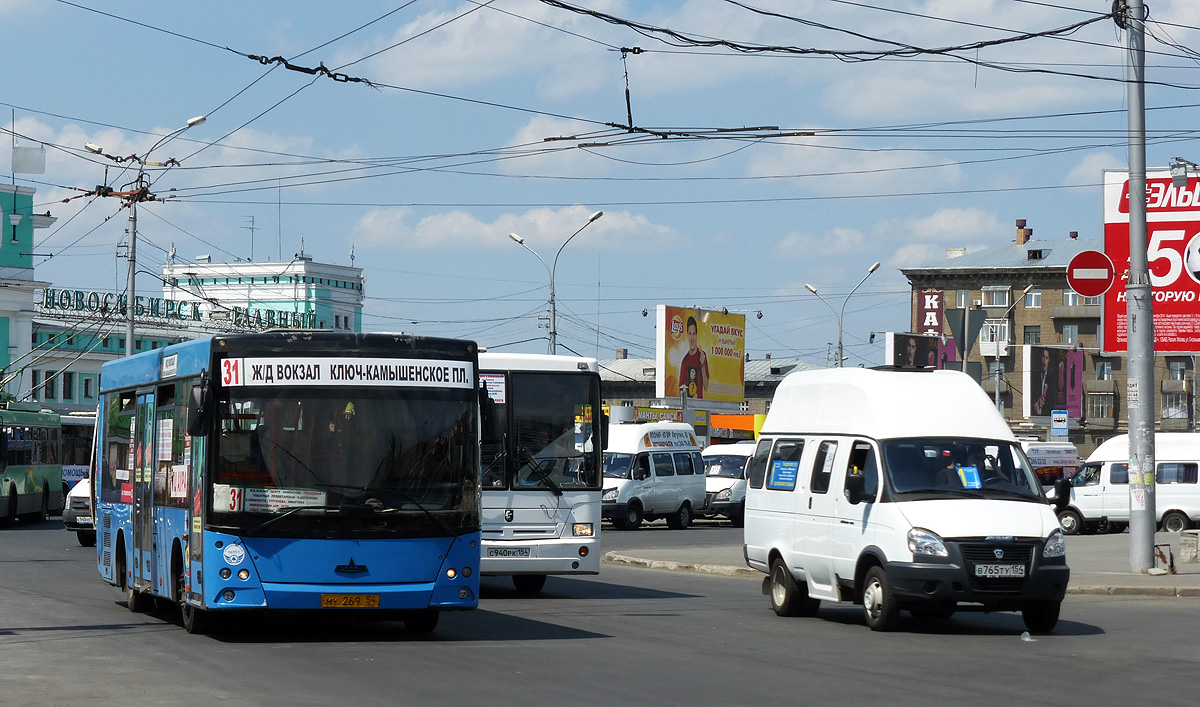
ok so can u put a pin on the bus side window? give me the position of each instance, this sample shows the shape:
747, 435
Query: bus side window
822, 467
862, 461
757, 471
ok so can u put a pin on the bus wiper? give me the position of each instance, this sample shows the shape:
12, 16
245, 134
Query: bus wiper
411, 499
290, 510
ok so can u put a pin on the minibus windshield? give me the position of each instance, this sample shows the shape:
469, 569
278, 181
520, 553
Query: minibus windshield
729, 466
616, 466
959, 467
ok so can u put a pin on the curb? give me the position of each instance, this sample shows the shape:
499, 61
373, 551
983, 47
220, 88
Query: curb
730, 571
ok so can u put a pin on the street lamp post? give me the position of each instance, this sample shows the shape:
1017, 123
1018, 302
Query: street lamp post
996, 341
550, 270
841, 315
138, 194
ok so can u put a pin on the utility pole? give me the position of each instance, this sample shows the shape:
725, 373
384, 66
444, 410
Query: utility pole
250, 228
1140, 310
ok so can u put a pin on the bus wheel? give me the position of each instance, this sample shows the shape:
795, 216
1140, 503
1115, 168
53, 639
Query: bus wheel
87, 538
879, 605
421, 621
682, 518
44, 514
529, 583
632, 518
137, 602
195, 621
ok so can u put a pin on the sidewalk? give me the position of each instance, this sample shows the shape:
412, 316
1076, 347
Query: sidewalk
1099, 565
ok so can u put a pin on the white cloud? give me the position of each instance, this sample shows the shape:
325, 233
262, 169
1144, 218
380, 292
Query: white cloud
1090, 169
544, 230
837, 241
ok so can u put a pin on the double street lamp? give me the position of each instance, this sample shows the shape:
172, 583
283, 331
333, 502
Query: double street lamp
841, 358
139, 193
550, 269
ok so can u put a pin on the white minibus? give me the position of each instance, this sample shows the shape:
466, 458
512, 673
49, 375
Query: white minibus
652, 470
899, 490
1099, 498
725, 480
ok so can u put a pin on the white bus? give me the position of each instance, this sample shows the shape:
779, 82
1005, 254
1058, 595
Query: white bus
542, 481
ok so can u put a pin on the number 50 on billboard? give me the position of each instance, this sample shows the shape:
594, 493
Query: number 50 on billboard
1173, 252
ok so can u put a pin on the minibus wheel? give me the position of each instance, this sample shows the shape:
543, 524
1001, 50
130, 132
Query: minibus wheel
1175, 522
1070, 522
789, 597
632, 518
682, 518
1041, 616
879, 605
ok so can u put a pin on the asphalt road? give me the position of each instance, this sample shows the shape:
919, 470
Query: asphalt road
627, 636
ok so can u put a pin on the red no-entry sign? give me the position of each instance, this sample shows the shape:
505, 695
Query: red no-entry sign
1090, 273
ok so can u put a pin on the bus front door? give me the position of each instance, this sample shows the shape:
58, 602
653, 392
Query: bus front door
143, 494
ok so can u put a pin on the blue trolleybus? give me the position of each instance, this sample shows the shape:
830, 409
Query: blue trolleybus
321, 471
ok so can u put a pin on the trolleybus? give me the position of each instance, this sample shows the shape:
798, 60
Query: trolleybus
31, 481
541, 476
322, 471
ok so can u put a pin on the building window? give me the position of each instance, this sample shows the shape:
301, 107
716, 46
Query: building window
137, 344
1103, 370
35, 338
337, 321
37, 379
996, 295
994, 330
1033, 334
1033, 300
89, 388
962, 299
68, 386
1175, 406
1071, 298
1100, 405
1176, 370
48, 388
121, 343
1070, 334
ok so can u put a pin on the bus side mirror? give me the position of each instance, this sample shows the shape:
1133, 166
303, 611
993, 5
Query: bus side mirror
604, 431
3, 445
200, 410
856, 489
487, 419
1062, 494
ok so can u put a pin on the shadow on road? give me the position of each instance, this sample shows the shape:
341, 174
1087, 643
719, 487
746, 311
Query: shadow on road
568, 588
963, 623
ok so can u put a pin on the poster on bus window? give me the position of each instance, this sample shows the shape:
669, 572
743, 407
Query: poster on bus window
702, 351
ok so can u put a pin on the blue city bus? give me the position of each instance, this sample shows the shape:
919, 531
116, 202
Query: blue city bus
292, 470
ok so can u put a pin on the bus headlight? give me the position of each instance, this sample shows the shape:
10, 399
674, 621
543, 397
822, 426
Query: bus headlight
923, 542
243, 574
610, 495
225, 572
451, 573
582, 529
1056, 545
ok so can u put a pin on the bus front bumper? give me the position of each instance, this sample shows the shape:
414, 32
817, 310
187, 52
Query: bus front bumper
574, 555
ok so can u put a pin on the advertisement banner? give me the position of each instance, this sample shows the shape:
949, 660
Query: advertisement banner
929, 312
703, 350
1052, 380
1173, 252
920, 351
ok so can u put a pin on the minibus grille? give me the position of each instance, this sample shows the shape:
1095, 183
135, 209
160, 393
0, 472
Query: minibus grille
978, 554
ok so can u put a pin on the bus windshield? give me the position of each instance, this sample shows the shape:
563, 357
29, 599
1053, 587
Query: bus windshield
388, 462
616, 465
728, 466
929, 468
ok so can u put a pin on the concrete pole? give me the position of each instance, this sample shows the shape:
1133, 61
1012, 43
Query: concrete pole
130, 300
1140, 312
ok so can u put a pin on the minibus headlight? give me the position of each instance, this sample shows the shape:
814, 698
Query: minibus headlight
923, 542
581, 530
724, 495
610, 495
1056, 544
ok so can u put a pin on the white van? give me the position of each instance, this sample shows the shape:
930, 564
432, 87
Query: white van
899, 490
725, 480
652, 470
1052, 461
1100, 489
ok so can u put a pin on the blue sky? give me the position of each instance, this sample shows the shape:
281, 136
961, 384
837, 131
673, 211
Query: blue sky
426, 173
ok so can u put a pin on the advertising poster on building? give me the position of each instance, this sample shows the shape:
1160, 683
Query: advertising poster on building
1052, 380
920, 351
929, 312
1173, 253
702, 350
